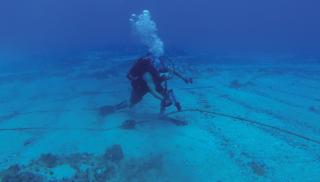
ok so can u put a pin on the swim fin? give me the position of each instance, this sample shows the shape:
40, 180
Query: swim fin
107, 109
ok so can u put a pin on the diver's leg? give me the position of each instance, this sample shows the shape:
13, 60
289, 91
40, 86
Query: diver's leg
166, 102
136, 97
137, 94
174, 100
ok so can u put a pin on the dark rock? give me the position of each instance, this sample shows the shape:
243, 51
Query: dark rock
129, 124
49, 160
78, 159
21, 177
114, 154
14, 169
103, 174
10, 173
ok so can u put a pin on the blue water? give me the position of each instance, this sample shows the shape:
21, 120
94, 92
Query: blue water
251, 114
285, 25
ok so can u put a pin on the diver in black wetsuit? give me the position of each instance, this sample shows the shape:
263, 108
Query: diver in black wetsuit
149, 75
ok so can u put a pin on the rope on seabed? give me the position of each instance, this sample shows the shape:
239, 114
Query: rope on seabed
171, 113
251, 122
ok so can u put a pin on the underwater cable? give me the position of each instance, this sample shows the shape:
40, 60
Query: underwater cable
281, 130
128, 124
123, 125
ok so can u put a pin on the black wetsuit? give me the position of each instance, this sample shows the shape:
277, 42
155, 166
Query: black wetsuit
139, 85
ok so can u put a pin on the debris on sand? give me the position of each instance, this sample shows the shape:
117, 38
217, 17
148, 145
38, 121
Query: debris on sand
114, 154
81, 167
84, 167
257, 168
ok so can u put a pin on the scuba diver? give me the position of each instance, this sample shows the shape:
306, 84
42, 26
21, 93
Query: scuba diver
150, 74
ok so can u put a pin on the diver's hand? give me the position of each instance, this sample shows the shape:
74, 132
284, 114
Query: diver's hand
188, 80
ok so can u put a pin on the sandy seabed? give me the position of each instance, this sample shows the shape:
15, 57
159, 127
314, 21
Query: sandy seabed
248, 121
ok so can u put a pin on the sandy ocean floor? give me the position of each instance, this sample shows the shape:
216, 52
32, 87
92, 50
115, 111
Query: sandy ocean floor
258, 120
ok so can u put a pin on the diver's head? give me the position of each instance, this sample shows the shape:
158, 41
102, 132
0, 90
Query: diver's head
157, 61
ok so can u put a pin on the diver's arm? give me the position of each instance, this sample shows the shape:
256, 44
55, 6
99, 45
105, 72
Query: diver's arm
179, 75
152, 87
